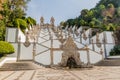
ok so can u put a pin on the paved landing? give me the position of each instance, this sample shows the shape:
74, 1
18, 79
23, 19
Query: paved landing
96, 73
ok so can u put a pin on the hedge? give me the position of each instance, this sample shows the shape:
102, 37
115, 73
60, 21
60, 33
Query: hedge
6, 48
115, 50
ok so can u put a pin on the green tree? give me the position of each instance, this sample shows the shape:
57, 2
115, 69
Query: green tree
82, 22
30, 21
13, 15
92, 24
12, 10
110, 27
2, 31
116, 3
118, 12
105, 15
25, 23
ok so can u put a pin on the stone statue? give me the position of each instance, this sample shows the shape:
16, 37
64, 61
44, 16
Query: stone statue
52, 20
41, 20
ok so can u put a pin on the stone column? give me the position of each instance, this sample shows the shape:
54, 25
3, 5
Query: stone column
80, 36
51, 50
93, 45
104, 43
88, 56
34, 49
101, 52
89, 38
19, 49
41, 22
52, 21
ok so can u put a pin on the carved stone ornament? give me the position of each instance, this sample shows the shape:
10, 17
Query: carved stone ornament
52, 21
27, 44
70, 50
98, 41
76, 32
71, 30
84, 36
98, 45
62, 40
41, 20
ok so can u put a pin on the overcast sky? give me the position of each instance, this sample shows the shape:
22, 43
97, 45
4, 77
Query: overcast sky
61, 10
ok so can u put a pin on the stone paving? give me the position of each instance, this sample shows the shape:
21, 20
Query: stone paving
96, 73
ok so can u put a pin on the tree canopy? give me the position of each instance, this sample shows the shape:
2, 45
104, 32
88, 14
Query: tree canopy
105, 15
14, 15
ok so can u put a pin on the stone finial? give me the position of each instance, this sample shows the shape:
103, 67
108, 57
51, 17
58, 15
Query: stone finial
84, 35
42, 20
97, 40
76, 31
52, 20
27, 43
101, 51
97, 37
71, 31
68, 31
19, 39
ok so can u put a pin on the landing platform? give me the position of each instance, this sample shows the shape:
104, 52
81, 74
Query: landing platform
114, 56
96, 73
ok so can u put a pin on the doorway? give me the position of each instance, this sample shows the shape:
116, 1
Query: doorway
71, 63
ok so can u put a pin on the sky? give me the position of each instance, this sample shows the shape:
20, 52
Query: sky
61, 10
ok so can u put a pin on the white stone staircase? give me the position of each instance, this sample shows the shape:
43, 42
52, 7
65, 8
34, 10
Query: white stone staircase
110, 61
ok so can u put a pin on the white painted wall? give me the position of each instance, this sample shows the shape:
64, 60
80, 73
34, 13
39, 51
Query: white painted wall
57, 57
11, 35
108, 48
43, 58
21, 36
83, 56
109, 37
94, 57
26, 52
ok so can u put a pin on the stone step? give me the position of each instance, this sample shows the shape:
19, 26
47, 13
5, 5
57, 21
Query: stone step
109, 62
19, 66
114, 57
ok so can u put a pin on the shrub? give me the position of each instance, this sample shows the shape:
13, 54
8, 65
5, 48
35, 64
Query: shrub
6, 48
115, 50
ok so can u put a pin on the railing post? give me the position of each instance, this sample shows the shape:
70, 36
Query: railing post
51, 51
34, 49
104, 42
19, 48
88, 56
101, 52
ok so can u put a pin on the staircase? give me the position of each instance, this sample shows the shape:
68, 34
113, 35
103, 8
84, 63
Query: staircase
109, 62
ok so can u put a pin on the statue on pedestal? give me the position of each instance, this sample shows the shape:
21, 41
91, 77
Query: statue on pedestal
52, 21
41, 21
